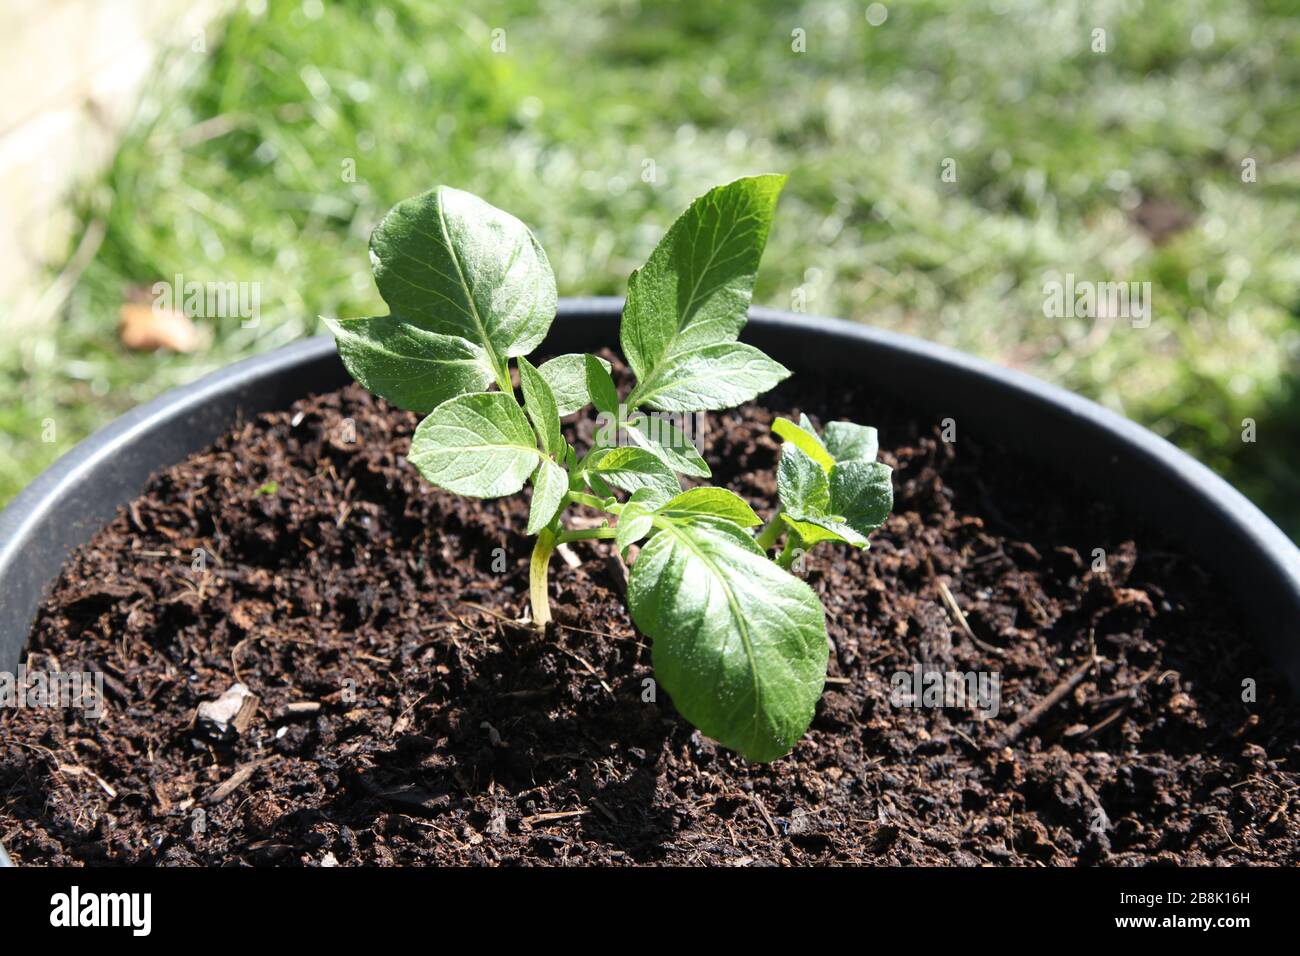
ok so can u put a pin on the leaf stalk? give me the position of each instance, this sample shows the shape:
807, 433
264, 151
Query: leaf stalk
586, 534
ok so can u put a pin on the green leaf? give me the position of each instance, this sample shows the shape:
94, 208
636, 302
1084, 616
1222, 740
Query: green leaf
860, 496
652, 496
478, 445
846, 505
667, 442
814, 528
541, 407
635, 521
695, 289
600, 386
550, 483
571, 464
801, 484
567, 376
715, 502
413, 368
629, 469
805, 439
863, 492
849, 442
739, 644
451, 263
709, 378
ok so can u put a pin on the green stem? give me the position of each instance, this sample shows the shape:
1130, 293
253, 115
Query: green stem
538, 568
786, 557
502, 372
771, 531
586, 534
591, 501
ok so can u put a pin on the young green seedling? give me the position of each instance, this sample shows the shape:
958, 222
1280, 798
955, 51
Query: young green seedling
738, 641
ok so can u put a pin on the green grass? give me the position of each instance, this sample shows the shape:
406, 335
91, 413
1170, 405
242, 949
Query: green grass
233, 172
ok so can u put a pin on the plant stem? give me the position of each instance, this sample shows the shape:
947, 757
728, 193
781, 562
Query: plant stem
586, 534
539, 564
771, 531
538, 568
786, 557
591, 501
502, 372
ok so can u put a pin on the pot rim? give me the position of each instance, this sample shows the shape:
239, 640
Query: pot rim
1247, 528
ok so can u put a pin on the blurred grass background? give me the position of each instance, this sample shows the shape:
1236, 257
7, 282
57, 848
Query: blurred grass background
1116, 166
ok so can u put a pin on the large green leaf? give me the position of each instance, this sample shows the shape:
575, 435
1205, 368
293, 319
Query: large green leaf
478, 445
707, 500
411, 367
567, 376
540, 404
630, 469
451, 263
739, 644
663, 439
695, 289
550, 483
709, 378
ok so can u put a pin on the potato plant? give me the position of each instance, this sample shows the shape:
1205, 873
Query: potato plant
738, 641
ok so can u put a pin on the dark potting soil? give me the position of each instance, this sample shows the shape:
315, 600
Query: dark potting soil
402, 717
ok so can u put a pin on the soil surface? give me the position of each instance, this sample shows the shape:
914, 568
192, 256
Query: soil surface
402, 717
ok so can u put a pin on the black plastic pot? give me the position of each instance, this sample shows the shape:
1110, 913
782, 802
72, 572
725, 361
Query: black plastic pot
1146, 475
